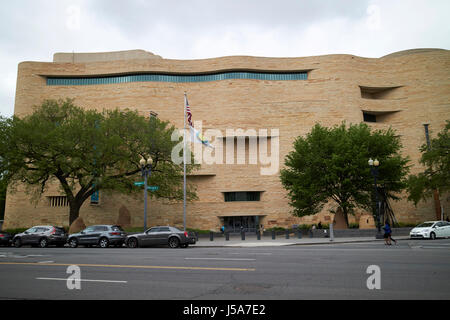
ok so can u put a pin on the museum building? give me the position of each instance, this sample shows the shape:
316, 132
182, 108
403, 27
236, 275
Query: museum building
239, 98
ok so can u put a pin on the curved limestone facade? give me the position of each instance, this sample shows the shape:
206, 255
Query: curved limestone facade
283, 97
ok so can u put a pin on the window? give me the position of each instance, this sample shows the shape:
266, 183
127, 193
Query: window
369, 117
153, 230
95, 197
380, 92
242, 196
180, 78
58, 201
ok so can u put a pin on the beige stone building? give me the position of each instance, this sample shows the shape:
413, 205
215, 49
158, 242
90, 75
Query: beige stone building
284, 97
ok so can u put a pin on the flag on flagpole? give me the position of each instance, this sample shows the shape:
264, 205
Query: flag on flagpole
196, 136
188, 112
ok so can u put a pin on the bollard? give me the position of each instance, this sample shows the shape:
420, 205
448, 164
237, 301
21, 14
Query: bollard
211, 236
273, 234
242, 235
258, 235
227, 236
287, 234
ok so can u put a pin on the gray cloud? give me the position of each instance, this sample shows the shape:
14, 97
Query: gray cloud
34, 30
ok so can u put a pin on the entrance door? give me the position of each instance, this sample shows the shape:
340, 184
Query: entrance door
234, 224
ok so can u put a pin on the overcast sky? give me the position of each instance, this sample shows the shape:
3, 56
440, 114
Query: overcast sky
32, 30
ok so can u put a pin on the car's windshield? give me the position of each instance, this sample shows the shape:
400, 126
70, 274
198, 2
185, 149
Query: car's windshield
425, 225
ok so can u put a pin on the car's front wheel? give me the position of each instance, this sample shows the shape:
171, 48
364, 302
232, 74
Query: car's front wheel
174, 242
132, 243
17, 243
433, 236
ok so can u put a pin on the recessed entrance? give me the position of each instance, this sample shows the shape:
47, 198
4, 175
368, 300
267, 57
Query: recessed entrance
239, 223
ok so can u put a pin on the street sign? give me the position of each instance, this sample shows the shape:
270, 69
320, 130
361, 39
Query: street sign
139, 184
152, 188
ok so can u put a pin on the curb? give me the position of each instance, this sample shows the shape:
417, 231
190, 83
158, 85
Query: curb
281, 244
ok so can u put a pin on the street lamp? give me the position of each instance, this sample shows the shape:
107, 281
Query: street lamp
373, 164
146, 170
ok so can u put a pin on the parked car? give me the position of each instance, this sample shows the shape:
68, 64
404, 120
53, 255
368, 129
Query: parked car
99, 235
5, 238
42, 236
161, 235
431, 230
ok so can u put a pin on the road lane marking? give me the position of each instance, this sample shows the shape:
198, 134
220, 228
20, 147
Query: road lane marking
87, 280
220, 259
127, 266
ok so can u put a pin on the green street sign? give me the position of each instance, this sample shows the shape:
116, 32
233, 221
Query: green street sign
152, 188
139, 184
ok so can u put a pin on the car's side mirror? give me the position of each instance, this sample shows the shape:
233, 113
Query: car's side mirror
26, 232
82, 232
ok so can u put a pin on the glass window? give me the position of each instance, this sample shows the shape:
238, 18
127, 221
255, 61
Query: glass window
164, 229
369, 117
425, 225
89, 229
242, 196
63, 81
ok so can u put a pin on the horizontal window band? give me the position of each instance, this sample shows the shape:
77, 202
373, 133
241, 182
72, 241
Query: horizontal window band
77, 81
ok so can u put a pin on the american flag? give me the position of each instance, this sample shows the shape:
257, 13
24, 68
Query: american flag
188, 111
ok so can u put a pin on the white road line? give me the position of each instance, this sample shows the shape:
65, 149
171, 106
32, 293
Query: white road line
220, 259
46, 261
253, 253
86, 280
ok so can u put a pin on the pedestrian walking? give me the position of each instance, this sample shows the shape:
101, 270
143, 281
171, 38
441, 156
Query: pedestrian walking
387, 234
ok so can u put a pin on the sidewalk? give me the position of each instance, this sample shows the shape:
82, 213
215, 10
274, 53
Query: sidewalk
251, 241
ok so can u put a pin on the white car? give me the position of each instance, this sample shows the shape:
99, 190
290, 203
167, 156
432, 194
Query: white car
431, 230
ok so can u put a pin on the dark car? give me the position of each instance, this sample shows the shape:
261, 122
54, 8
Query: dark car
5, 238
162, 235
42, 236
99, 235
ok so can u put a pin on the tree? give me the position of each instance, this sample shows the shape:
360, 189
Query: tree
331, 164
86, 151
436, 176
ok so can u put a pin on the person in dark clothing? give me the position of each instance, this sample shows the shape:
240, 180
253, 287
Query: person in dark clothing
387, 234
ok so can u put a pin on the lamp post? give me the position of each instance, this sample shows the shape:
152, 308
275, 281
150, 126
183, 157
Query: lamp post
374, 170
146, 170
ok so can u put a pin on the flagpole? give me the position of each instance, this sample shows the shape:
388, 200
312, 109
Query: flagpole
184, 166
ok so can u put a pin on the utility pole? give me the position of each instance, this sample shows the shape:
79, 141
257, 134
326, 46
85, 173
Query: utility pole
437, 202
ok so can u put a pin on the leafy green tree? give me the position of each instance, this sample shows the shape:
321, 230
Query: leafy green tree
87, 150
332, 164
436, 176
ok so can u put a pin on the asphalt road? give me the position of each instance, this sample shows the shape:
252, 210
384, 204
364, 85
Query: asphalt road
413, 269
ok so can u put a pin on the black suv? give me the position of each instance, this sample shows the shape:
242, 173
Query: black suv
100, 235
42, 236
